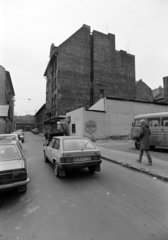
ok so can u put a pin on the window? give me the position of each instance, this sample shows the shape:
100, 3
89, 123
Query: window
136, 123
165, 121
9, 152
73, 128
57, 144
77, 144
51, 143
154, 122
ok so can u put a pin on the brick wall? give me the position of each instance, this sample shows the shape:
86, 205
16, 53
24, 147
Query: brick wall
86, 65
114, 71
74, 71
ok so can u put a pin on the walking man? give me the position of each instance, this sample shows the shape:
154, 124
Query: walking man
144, 142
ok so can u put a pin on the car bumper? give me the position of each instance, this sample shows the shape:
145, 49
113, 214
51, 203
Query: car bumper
14, 185
79, 165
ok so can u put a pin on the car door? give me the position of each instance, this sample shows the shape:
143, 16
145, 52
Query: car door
49, 149
165, 131
156, 131
55, 152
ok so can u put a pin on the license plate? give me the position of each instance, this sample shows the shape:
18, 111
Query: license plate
80, 159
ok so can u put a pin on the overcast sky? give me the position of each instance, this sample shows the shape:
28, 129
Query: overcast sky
29, 27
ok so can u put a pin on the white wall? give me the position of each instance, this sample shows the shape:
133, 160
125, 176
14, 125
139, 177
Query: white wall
120, 114
100, 119
77, 119
80, 117
116, 120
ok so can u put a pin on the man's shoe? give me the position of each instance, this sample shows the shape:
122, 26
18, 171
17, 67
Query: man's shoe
138, 161
149, 164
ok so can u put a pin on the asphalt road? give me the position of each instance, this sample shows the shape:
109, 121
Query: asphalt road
115, 204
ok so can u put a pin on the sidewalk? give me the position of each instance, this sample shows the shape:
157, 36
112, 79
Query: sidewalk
158, 170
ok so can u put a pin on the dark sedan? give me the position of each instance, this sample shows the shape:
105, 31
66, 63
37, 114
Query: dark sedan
13, 167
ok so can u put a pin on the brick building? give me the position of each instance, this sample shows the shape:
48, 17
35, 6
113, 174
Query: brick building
84, 68
26, 122
6, 102
39, 117
143, 91
160, 94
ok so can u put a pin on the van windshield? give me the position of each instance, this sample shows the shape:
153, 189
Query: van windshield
136, 122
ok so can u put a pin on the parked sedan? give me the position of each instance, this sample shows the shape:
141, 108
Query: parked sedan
11, 136
21, 135
13, 166
36, 131
70, 152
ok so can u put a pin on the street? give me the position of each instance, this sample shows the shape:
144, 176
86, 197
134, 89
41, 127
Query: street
115, 204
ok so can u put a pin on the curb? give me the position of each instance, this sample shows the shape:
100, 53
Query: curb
142, 170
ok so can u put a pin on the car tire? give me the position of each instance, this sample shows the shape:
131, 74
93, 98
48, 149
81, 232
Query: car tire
91, 169
22, 188
45, 158
56, 170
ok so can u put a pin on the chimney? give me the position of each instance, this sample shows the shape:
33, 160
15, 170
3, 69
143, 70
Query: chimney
165, 85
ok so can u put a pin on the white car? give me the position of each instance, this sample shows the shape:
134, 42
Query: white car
12, 136
21, 135
72, 152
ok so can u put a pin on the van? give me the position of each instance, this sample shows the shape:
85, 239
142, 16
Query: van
158, 124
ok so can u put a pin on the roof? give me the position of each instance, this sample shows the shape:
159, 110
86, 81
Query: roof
10, 82
136, 100
70, 137
160, 114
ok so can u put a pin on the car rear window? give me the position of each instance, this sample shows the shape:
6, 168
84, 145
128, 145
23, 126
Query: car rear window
6, 138
9, 152
77, 144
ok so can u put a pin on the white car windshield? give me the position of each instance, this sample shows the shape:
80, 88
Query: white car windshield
9, 152
77, 144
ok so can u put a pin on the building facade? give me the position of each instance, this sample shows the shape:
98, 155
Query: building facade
161, 94
6, 102
84, 68
39, 117
143, 91
26, 122
109, 117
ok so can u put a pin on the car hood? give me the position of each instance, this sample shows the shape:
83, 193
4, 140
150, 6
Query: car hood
11, 164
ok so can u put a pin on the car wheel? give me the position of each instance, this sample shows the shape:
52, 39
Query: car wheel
91, 169
45, 158
56, 170
22, 188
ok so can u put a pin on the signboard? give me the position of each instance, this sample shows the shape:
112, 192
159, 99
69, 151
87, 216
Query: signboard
90, 127
4, 110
